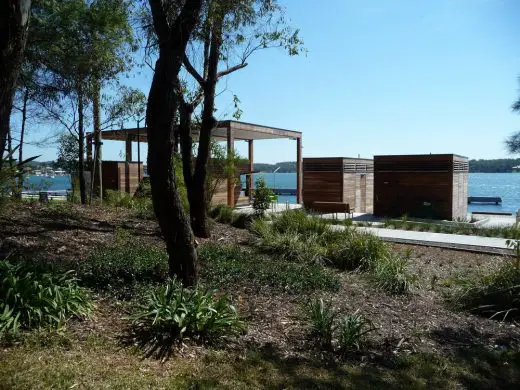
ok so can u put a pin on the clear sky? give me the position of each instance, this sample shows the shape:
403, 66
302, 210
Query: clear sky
381, 77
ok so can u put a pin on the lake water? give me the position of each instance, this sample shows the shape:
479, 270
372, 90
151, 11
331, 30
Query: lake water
505, 185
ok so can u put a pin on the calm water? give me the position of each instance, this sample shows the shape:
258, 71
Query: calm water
505, 185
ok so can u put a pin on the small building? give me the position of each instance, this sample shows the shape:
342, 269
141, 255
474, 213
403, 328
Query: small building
515, 169
422, 186
339, 179
126, 175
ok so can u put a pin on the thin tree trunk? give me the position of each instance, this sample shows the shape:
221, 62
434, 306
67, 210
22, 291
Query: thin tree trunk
162, 104
14, 22
97, 174
81, 149
199, 206
22, 134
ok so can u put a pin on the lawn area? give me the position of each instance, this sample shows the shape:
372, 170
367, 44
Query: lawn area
421, 340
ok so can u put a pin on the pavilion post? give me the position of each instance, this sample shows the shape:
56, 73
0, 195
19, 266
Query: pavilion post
128, 160
299, 170
230, 180
250, 180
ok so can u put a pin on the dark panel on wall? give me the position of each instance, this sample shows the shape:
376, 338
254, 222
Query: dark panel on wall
423, 186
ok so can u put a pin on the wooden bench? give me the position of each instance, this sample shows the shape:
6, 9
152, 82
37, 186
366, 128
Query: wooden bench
333, 207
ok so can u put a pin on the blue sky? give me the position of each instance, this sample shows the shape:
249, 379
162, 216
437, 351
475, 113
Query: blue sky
381, 77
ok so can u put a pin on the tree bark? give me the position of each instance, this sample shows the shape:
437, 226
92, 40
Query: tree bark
81, 149
199, 201
97, 174
14, 22
162, 104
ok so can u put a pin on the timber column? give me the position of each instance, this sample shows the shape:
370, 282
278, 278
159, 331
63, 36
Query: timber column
230, 180
299, 170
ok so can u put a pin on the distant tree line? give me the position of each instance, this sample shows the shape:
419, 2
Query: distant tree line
285, 167
493, 166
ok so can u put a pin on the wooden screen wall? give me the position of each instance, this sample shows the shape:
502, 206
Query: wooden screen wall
339, 179
118, 176
422, 186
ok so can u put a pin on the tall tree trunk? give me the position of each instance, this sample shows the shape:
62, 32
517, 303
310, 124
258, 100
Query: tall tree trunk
162, 104
97, 174
14, 22
22, 134
199, 201
81, 149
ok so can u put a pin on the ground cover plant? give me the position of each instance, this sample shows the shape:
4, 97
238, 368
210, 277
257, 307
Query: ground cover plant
227, 265
495, 294
296, 237
171, 313
32, 297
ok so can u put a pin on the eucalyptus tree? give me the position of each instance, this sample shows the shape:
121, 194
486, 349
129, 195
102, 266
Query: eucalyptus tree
173, 22
79, 46
228, 34
14, 22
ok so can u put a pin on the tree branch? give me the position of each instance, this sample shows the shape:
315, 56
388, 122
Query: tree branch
192, 71
231, 70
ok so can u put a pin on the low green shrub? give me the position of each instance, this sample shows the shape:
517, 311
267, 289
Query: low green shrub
174, 312
227, 265
34, 297
263, 197
353, 330
222, 213
495, 294
127, 262
321, 317
122, 199
242, 220
297, 221
390, 273
356, 250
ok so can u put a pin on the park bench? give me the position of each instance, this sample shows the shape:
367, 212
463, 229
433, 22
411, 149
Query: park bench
333, 207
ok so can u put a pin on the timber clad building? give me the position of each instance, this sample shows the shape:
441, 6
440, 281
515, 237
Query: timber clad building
339, 179
422, 186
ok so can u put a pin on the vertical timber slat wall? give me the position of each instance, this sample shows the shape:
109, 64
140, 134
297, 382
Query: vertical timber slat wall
423, 186
339, 179
121, 176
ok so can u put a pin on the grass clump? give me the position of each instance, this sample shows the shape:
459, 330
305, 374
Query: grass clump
350, 332
173, 312
353, 330
34, 297
229, 264
390, 273
124, 264
222, 213
141, 205
495, 295
321, 317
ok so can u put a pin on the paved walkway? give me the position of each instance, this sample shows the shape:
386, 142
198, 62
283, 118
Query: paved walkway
454, 241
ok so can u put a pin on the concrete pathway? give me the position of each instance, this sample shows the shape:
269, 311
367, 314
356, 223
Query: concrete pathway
453, 241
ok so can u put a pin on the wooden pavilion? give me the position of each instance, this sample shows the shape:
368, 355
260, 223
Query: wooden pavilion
125, 175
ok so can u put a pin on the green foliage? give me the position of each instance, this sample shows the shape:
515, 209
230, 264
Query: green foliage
390, 274
227, 265
125, 200
495, 294
68, 146
222, 213
124, 264
263, 197
321, 317
353, 330
34, 297
175, 313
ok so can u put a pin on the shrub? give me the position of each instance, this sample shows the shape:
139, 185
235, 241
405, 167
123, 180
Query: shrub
298, 221
36, 297
242, 220
174, 312
127, 262
222, 213
123, 199
263, 197
496, 294
229, 264
353, 330
390, 274
321, 317
356, 250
